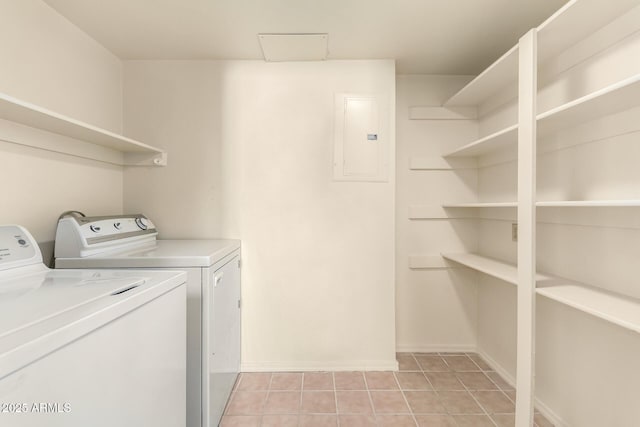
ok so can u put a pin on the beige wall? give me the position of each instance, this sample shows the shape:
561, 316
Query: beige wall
50, 62
250, 148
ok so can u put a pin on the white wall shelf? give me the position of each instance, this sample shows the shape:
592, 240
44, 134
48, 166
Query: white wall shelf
441, 163
551, 204
502, 72
618, 309
481, 205
612, 99
497, 140
493, 267
24, 113
574, 22
589, 204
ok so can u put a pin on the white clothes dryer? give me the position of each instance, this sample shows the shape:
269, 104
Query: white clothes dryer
213, 294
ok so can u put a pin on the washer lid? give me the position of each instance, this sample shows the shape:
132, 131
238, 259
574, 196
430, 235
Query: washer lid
29, 299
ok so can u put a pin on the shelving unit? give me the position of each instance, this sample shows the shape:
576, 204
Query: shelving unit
578, 32
24, 113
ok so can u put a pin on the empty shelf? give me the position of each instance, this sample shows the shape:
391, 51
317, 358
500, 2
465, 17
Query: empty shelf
612, 99
589, 203
482, 205
574, 22
31, 115
492, 267
616, 308
495, 141
502, 72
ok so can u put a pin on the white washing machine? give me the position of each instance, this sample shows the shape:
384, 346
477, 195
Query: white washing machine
213, 294
88, 347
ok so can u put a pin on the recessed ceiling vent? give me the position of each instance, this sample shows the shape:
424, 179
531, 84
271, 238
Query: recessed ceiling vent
294, 47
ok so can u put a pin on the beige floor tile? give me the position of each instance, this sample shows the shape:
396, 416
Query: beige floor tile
541, 421
318, 421
500, 382
381, 381
424, 402
247, 403
254, 381
476, 381
318, 381
282, 402
413, 381
478, 360
460, 363
431, 363
358, 420
504, 420
280, 421
495, 402
318, 402
459, 402
435, 421
240, 421
389, 402
353, 402
349, 381
396, 421
286, 381
406, 362
473, 421
444, 381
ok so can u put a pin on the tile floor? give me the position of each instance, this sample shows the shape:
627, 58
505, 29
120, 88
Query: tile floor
430, 389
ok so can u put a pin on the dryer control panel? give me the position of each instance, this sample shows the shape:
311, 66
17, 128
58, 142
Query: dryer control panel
80, 236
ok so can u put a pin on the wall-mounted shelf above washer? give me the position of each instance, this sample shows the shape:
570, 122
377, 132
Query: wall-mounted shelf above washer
127, 151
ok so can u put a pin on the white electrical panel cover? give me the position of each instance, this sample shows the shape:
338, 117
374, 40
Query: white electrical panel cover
361, 149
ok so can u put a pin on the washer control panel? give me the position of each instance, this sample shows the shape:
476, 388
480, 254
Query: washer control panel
17, 247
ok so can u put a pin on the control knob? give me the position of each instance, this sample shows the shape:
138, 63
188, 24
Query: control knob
141, 223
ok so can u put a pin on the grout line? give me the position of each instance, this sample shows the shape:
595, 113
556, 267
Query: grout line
301, 394
413, 415
373, 408
479, 404
335, 398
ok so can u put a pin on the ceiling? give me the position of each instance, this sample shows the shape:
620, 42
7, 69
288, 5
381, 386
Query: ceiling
423, 36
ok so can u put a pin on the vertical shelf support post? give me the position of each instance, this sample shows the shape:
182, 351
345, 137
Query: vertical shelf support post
527, 92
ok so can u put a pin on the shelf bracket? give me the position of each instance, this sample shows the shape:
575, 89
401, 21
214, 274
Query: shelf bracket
145, 159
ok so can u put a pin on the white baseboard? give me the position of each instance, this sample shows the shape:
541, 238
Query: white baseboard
439, 348
542, 407
320, 366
